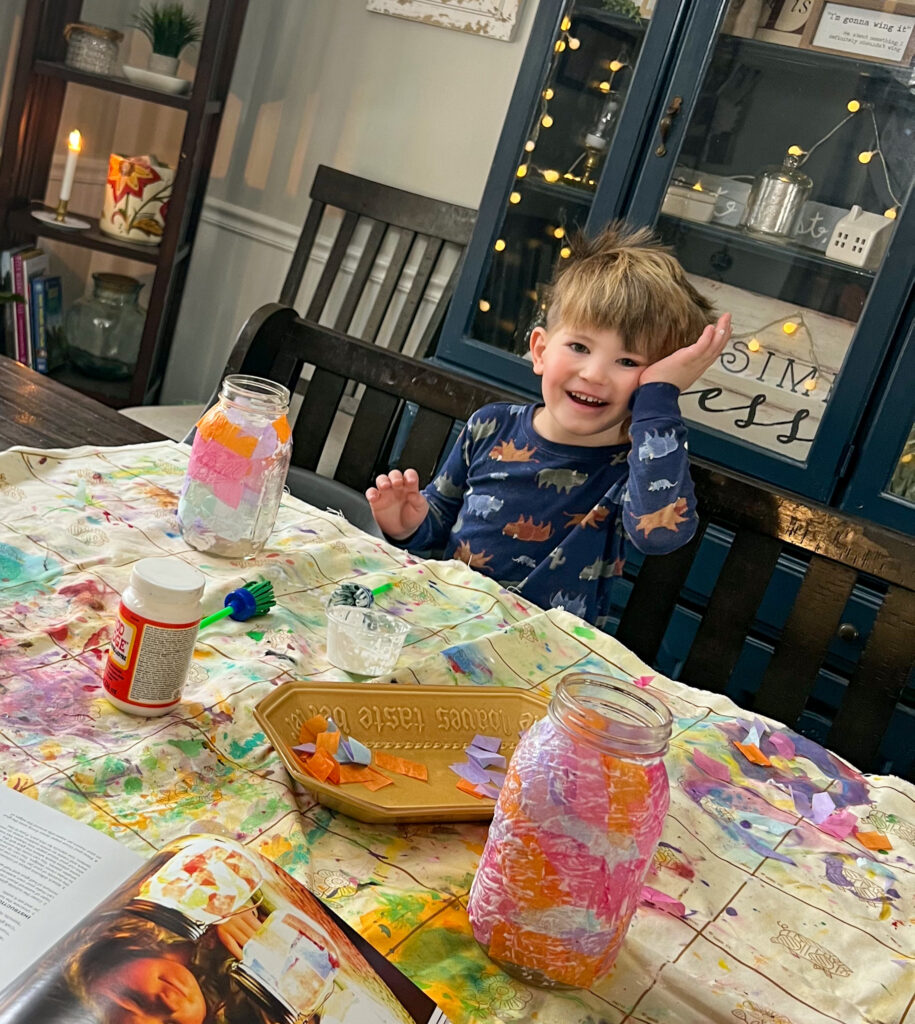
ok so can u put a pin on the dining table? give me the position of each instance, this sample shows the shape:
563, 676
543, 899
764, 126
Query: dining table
39, 410
783, 888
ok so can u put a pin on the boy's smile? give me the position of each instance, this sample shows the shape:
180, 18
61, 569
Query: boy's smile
588, 376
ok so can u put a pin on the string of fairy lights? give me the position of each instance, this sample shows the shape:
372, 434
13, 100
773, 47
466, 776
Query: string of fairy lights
789, 328
544, 120
855, 107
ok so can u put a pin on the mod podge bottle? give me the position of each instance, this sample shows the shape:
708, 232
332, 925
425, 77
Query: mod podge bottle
153, 640
573, 834
237, 469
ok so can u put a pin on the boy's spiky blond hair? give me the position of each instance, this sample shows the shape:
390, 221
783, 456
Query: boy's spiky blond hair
625, 280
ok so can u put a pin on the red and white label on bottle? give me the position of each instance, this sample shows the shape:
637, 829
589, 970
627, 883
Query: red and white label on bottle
147, 660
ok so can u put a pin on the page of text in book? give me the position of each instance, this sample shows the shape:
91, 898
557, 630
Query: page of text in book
53, 871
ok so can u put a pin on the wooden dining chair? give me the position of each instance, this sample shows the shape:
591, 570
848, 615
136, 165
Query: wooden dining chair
371, 261
386, 261
771, 538
278, 344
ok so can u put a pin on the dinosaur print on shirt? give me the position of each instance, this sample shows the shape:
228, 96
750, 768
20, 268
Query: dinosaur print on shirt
656, 447
667, 518
507, 452
552, 521
526, 529
561, 479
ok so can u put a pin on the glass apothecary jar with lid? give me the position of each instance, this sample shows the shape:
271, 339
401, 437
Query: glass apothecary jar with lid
104, 331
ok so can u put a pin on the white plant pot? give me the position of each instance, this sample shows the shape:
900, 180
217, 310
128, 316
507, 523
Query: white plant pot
162, 65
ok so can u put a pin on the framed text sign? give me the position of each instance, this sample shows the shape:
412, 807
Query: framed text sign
877, 30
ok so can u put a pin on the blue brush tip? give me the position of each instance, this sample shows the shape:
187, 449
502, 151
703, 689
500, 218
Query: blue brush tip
243, 604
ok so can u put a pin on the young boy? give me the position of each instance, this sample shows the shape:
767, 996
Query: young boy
541, 496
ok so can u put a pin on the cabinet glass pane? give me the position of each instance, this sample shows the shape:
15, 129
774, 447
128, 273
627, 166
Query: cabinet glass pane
782, 200
558, 168
902, 482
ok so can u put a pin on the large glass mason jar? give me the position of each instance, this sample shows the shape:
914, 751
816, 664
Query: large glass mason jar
237, 468
573, 834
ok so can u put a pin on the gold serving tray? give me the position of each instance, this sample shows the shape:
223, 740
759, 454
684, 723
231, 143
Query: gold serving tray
428, 724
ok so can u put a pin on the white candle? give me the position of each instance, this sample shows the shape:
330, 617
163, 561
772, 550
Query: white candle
74, 145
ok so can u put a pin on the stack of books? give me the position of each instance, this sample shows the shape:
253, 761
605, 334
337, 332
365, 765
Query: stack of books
32, 328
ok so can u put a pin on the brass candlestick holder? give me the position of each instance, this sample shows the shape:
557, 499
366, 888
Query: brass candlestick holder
60, 218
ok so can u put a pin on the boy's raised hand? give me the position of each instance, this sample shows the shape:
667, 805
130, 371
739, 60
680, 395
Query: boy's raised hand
398, 507
685, 366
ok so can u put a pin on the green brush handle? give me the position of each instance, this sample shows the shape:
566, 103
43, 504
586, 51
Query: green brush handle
216, 616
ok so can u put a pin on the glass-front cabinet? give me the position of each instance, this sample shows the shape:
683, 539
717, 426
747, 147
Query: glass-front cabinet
772, 146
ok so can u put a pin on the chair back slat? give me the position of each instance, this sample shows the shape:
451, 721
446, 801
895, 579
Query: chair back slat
878, 681
302, 252
310, 431
367, 436
425, 443
388, 288
811, 625
654, 598
418, 289
332, 268
356, 287
732, 607
434, 325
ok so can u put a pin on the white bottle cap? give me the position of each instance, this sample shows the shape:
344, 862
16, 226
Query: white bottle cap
167, 579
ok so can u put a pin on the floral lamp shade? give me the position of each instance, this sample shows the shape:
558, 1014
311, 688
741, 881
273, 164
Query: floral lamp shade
137, 193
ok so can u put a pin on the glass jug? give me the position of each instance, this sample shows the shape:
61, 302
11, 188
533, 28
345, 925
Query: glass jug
104, 331
573, 835
237, 468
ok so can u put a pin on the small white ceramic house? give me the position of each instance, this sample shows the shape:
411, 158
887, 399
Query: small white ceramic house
860, 238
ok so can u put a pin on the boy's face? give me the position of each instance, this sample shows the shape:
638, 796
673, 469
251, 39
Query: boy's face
588, 378
151, 990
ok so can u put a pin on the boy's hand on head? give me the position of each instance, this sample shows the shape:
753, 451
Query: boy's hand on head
398, 507
685, 366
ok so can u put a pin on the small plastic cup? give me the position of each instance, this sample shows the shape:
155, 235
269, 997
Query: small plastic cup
364, 641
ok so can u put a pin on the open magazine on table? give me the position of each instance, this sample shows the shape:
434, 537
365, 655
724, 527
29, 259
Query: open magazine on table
205, 931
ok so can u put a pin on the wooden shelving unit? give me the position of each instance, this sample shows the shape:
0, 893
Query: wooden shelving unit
36, 101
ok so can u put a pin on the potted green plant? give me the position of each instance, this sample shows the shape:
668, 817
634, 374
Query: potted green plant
169, 28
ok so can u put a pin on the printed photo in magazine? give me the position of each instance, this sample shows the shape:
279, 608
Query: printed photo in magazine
207, 932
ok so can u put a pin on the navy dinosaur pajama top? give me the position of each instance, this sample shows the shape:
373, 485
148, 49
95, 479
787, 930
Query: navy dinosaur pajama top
550, 520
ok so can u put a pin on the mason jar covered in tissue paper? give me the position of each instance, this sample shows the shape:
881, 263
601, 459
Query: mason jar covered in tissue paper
237, 468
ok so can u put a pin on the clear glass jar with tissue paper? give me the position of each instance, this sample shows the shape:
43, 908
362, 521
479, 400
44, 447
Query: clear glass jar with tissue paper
237, 468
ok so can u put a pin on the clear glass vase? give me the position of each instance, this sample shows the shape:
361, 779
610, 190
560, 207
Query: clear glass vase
104, 331
237, 468
573, 835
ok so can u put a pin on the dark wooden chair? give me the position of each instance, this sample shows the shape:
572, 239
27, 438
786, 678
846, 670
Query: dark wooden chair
404, 255
762, 527
836, 553
276, 343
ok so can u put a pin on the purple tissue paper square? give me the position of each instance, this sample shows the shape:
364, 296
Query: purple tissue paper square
471, 772
491, 743
485, 758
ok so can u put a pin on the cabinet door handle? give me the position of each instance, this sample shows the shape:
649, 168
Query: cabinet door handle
666, 123
847, 631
